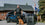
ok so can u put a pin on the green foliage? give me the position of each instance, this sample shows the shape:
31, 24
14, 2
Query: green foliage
42, 8
26, 3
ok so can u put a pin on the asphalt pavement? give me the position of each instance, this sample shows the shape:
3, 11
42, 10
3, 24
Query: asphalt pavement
5, 23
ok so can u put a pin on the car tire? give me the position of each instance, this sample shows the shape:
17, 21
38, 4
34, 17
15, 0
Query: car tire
0, 20
8, 20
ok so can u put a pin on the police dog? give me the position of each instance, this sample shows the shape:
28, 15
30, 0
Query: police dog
20, 21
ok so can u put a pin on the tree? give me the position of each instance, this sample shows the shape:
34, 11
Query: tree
26, 4
42, 8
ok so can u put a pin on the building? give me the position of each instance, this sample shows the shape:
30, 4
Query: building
10, 7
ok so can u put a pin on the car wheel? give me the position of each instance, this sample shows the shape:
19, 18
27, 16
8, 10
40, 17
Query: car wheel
8, 20
0, 20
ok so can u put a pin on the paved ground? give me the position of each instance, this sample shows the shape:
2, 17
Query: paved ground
5, 23
40, 24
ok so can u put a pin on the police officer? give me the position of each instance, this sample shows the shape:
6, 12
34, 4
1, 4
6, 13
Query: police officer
18, 11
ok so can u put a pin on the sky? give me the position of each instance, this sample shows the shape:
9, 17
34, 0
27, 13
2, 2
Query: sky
21, 2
